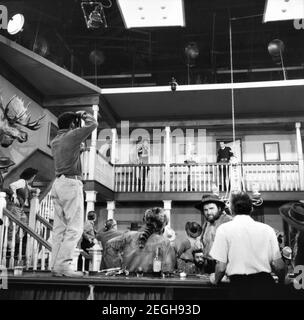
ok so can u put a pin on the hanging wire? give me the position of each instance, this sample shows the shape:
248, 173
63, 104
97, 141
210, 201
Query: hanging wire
95, 66
232, 89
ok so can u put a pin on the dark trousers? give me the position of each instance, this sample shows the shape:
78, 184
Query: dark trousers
257, 286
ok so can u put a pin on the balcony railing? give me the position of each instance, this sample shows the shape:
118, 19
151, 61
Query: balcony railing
274, 176
140, 178
96, 167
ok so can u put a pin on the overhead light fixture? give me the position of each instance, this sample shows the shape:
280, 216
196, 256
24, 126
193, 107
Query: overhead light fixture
156, 13
277, 10
94, 15
15, 24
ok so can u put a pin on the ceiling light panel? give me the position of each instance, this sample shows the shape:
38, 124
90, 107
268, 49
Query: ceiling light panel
155, 13
277, 10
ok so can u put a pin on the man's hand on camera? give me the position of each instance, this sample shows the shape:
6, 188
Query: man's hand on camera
83, 114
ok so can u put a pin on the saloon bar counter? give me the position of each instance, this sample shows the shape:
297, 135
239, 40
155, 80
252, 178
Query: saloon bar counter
42, 286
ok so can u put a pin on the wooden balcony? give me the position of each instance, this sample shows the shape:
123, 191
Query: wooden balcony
274, 176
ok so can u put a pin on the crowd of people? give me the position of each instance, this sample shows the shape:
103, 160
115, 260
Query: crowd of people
226, 242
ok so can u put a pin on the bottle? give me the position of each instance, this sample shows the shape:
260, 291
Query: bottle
157, 264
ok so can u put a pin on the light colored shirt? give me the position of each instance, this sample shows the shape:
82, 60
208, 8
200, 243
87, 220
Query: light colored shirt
19, 184
246, 246
209, 230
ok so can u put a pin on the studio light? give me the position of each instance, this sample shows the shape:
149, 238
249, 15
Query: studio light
152, 13
15, 24
94, 15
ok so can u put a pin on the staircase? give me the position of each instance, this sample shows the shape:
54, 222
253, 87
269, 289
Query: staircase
24, 245
30, 246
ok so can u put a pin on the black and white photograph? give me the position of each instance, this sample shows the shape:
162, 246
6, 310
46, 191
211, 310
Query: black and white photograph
151, 151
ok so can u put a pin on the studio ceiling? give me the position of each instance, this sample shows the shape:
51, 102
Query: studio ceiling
151, 56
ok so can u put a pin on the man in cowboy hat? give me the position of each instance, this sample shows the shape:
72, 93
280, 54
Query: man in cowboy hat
247, 251
187, 245
213, 209
293, 214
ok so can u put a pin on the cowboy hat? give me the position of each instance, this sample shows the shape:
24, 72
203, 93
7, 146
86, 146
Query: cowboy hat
193, 229
6, 162
210, 198
293, 214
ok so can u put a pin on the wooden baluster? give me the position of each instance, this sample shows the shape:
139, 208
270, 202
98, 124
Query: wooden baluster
158, 178
119, 179
124, 179
204, 178
5, 241
296, 171
149, 178
29, 252
194, 178
115, 179
152, 176
12, 248
208, 176
283, 185
133, 178
222, 177
146, 178
20, 245
35, 255
142, 178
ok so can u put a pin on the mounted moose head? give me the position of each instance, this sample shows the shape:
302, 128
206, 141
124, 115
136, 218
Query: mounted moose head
12, 117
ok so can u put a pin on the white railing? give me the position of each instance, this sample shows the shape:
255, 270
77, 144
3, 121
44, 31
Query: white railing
139, 178
274, 176
20, 245
96, 167
46, 207
278, 176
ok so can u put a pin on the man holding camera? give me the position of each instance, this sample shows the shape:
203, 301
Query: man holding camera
67, 190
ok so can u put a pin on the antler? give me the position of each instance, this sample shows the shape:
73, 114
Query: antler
22, 115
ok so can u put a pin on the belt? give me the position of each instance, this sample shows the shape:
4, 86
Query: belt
70, 176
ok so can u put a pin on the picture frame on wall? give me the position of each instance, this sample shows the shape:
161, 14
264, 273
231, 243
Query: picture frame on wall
52, 132
272, 151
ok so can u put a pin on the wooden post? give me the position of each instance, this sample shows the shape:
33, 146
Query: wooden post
167, 208
300, 155
111, 209
113, 145
75, 259
92, 155
34, 209
95, 253
167, 159
2, 206
90, 200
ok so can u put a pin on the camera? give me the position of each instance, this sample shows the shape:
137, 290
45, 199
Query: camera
79, 115
77, 120
173, 84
